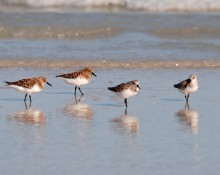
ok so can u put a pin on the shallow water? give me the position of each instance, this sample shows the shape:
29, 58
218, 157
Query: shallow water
121, 36
94, 136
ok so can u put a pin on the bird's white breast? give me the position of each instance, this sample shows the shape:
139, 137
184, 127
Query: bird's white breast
77, 81
126, 93
35, 88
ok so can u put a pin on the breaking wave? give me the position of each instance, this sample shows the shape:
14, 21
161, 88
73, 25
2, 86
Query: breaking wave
149, 5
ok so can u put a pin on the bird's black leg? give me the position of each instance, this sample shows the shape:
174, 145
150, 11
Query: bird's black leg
30, 98
75, 91
187, 98
25, 97
76, 99
187, 106
126, 103
80, 91
25, 104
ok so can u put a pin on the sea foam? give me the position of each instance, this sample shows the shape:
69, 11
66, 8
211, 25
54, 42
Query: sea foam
148, 5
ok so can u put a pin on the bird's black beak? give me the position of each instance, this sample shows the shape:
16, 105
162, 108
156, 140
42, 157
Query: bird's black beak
49, 84
94, 74
138, 86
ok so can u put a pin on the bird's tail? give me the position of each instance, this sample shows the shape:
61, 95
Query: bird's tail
112, 89
7, 83
175, 85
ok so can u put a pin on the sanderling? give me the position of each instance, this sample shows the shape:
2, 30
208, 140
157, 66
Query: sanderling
126, 90
29, 85
188, 86
78, 78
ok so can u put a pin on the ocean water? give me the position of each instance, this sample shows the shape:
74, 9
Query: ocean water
94, 135
127, 39
59, 134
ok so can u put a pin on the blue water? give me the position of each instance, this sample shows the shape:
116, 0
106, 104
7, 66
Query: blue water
56, 135
114, 36
69, 138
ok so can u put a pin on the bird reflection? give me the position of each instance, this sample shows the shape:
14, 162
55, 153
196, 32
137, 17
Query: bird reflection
127, 122
79, 109
29, 115
189, 117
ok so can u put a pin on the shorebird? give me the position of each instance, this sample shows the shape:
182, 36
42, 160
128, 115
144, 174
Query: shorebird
78, 78
188, 86
126, 90
29, 85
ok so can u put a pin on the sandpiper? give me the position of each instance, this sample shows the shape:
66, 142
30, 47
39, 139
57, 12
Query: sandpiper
78, 78
29, 85
188, 86
126, 90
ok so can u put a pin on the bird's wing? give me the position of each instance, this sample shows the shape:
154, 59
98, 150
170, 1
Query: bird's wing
182, 85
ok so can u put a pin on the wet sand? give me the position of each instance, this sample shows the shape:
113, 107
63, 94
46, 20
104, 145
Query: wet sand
110, 64
95, 136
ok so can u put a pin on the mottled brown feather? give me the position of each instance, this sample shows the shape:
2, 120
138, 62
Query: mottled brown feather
84, 73
29, 82
26, 83
123, 86
182, 85
118, 88
70, 75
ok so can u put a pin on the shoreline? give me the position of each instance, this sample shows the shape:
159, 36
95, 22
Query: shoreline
111, 64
